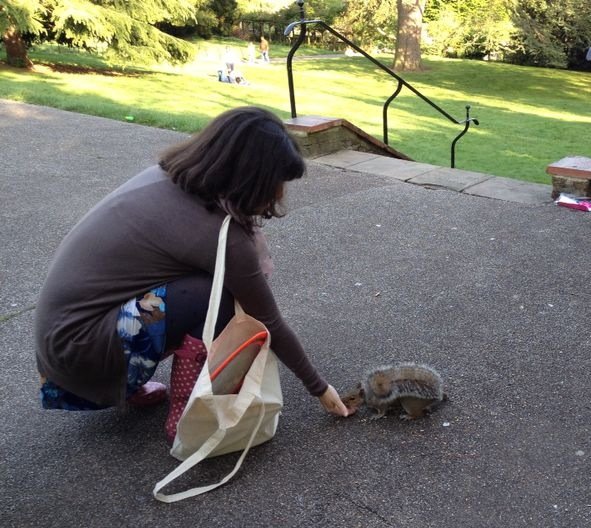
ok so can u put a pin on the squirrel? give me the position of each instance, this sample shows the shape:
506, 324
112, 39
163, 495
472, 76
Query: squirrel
413, 388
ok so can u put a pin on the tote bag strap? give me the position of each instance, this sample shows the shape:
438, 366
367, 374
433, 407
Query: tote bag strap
217, 287
215, 296
212, 442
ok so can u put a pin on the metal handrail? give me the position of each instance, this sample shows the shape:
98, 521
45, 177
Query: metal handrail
401, 82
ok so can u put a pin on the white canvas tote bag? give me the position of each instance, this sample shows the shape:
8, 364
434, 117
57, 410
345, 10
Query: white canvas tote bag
214, 424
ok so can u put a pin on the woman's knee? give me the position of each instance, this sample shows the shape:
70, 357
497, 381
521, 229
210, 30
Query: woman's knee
187, 300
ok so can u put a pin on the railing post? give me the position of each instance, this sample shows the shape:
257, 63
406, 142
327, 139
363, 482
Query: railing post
385, 111
290, 55
457, 138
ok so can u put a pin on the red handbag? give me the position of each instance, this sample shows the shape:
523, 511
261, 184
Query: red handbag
187, 362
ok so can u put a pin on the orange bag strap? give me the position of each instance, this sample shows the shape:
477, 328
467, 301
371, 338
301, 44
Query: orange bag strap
258, 339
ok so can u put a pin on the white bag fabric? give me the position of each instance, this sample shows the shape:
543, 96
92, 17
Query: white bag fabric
216, 424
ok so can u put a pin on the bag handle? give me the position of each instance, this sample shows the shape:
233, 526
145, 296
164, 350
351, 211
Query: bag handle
217, 286
216, 438
212, 442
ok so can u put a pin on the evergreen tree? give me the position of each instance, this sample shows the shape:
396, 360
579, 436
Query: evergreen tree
16, 18
369, 23
471, 28
125, 28
225, 13
552, 33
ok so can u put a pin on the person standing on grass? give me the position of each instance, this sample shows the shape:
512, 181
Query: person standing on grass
130, 284
230, 59
251, 53
264, 48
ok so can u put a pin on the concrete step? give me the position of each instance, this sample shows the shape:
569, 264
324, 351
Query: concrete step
435, 177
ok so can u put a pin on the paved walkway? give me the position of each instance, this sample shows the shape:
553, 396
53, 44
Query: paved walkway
369, 269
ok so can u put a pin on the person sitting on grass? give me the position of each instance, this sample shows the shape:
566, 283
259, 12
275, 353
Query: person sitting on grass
232, 77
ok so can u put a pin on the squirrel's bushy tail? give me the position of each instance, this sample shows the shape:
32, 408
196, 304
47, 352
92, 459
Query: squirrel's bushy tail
418, 381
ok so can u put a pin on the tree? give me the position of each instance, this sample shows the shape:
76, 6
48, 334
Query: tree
552, 33
125, 28
369, 22
472, 28
18, 17
262, 6
225, 12
408, 34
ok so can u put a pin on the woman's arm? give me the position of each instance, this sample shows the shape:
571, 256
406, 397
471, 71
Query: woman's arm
247, 283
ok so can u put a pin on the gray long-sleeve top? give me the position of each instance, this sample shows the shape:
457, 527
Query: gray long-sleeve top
144, 234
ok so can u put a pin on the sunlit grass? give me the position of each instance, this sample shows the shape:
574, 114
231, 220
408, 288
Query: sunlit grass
529, 117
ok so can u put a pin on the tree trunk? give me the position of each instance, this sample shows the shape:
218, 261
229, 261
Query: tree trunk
408, 35
16, 49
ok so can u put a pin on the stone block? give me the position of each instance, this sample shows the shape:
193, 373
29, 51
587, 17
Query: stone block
318, 136
571, 175
567, 185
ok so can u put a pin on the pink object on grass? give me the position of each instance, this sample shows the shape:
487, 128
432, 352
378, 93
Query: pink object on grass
573, 202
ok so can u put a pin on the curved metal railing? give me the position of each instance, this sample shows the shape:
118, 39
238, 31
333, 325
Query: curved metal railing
401, 83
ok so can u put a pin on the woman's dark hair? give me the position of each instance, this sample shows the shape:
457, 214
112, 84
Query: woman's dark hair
239, 161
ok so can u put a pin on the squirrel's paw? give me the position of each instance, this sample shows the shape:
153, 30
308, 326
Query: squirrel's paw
378, 415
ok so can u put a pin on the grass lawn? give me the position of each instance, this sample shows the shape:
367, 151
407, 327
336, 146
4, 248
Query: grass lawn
529, 117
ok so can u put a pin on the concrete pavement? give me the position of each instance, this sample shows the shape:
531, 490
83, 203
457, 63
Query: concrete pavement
369, 269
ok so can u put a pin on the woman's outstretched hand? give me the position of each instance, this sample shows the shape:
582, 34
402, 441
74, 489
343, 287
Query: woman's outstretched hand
331, 401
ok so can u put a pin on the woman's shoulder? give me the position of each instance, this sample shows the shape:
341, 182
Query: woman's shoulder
238, 234
148, 176
154, 188
241, 243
